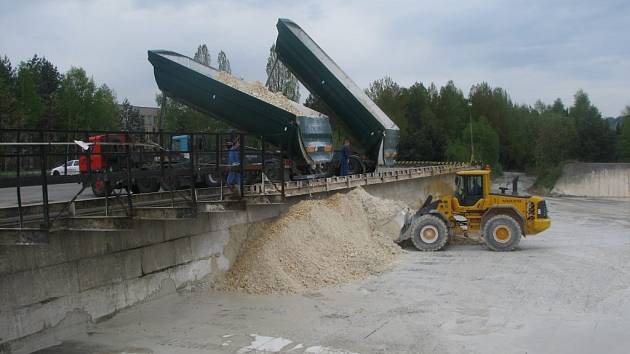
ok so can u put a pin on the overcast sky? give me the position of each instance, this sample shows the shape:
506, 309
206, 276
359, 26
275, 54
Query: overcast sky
534, 49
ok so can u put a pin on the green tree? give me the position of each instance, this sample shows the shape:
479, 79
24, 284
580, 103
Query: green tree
130, 119
555, 142
388, 96
280, 78
485, 141
452, 110
558, 108
48, 80
202, 55
84, 106
8, 101
595, 141
623, 140
30, 105
224, 62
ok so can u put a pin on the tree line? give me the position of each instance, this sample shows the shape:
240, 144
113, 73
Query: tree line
436, 124
35, 95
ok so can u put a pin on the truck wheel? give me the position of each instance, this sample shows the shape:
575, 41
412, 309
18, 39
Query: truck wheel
355, 165
274, 170
211, 180
99, 188
147, 185
502, 233
429, 233
170, 183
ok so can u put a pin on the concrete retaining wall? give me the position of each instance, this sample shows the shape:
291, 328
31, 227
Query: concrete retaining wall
594, 180
81, 276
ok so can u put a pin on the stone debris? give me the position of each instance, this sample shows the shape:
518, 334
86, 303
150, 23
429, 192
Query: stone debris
317, 243
258, 90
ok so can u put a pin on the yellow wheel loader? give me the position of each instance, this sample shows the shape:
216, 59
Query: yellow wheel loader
500, 219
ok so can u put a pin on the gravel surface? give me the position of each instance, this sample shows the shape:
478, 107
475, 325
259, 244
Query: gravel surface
564, 291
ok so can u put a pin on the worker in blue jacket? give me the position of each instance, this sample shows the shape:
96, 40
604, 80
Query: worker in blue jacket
345, 158
234, 160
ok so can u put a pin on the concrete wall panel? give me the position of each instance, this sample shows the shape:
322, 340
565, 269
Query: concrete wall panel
594, 180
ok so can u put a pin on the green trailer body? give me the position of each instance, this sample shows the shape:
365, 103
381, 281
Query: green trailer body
372, 130
194, 84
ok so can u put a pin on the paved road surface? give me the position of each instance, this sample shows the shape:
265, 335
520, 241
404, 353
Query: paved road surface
566, 291
33, 194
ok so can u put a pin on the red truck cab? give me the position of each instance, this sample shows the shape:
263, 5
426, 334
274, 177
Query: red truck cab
98, 157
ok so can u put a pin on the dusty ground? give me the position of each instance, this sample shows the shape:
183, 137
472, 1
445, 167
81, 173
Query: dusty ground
566, 291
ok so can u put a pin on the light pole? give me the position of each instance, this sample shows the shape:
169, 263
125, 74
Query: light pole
472, 144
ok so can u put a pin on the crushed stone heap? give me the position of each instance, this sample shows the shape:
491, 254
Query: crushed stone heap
317, 243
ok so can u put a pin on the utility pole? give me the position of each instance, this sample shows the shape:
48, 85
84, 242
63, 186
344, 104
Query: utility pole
472, 144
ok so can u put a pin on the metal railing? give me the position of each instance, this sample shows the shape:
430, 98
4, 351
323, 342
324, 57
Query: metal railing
116, 165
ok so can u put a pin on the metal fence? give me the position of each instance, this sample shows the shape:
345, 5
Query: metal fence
116, 165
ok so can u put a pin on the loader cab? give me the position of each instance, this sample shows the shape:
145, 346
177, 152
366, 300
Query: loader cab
471, 186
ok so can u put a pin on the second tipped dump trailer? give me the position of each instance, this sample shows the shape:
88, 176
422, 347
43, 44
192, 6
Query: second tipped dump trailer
303, 134
374, 134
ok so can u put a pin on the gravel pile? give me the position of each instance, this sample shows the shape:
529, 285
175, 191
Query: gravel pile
258, 90
317, 243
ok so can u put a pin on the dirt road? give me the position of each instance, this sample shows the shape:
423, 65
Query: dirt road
566, 291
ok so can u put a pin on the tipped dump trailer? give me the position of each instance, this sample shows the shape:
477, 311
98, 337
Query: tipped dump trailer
374, 133
304, 134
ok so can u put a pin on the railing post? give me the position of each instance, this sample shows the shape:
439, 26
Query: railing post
89, 160
129, 179
282, 171
262, 167
43, 164
242, 164
192, 154
219, 171
19, 182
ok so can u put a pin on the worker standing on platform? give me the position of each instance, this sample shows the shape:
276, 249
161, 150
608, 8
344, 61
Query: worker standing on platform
345, 158
234, 160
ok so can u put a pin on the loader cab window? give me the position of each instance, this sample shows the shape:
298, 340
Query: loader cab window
469, 189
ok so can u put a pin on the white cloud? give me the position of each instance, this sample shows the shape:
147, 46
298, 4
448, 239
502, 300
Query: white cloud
535, 49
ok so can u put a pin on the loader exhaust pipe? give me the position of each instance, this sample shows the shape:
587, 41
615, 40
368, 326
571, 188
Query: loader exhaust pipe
515, 185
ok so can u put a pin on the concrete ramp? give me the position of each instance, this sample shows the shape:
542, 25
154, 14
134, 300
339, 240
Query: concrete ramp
594, 180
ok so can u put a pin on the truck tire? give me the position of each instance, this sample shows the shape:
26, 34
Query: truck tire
211, 180
355, 165
502, 233
147, 185
170, 183
99, 189
429, 233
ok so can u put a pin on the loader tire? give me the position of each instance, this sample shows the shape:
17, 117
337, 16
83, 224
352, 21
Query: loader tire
429, 233
502, 233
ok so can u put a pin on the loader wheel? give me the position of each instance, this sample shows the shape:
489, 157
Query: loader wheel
502, 233
429, 233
